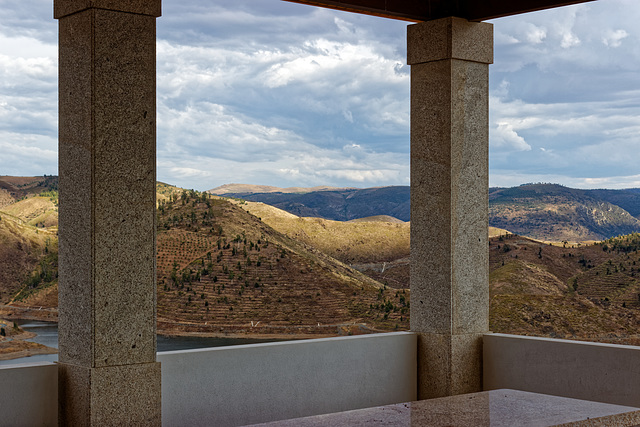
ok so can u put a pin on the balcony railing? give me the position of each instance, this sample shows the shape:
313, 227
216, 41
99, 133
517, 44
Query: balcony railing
247, 384
254, 383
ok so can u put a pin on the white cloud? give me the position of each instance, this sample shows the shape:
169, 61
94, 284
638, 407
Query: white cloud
306, 166
569, 40
535, 34
28, 93
26, 47
500, 38
348, 115
35, 154
614, 38
278, 93
288, 106
631, 181
503, 136
368, 177
208, 129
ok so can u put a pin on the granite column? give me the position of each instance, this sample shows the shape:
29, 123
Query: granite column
108, 374
449, 61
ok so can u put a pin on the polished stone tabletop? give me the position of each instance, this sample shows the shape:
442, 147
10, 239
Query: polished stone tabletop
487, 408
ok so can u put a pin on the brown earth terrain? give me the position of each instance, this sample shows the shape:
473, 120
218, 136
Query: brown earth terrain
588, 292
368, 240
224, 270
15, 188
21, 249
229, 267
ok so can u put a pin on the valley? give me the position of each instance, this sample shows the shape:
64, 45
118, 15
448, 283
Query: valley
236, 268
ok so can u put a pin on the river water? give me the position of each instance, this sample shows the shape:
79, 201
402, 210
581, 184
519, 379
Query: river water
48, 335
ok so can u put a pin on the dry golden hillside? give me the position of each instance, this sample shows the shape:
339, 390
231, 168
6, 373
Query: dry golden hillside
15, 188
587, 292
223, 270
21, 248
247, 268
352, 242
40, 211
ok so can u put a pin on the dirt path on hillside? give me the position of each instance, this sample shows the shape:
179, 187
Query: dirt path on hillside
28, 313
17, 349
262, 331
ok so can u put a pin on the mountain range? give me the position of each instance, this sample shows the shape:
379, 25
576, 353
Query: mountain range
342, 204
549, 212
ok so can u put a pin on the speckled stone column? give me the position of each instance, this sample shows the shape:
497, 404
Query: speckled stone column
108, 373
449, 61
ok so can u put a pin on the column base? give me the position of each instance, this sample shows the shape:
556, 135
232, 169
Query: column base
449, 364
106, 396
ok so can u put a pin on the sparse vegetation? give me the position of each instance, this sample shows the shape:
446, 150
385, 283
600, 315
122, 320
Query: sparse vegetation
258, 274
223, 269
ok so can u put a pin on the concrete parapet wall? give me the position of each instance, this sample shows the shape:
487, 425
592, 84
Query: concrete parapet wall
583, 370
266, 382
246, 384
29, 395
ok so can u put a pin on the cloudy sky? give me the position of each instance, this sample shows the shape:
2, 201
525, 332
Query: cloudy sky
269, 92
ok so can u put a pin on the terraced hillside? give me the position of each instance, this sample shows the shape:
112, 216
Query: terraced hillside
221, 266
617, 281
587, 292
235, 267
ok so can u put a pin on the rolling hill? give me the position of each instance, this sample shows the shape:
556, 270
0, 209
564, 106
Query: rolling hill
588, 292
372, 239
14, 188
220, 265
22, 249
28, 235
222, 270
229, 266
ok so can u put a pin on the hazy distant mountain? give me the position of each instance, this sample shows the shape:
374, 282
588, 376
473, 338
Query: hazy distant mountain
338, 204
556, 213
628, 200
542, 211
229, 189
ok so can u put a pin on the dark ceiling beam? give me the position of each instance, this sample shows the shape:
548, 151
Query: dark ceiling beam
426, 10
408, 10
481, 10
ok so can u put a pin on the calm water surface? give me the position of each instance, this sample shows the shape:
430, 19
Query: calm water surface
48, 335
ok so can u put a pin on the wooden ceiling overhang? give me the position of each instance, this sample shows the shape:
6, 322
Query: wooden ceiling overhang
427, 10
